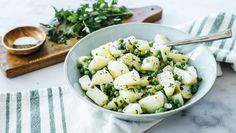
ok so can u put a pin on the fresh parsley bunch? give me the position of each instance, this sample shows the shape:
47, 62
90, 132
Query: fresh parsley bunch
88, 18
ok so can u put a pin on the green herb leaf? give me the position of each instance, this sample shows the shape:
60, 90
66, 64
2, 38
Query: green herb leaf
86, 19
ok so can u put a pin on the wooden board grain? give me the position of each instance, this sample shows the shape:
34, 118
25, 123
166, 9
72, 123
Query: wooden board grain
50, 53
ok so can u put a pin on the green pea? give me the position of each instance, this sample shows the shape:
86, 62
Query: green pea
150, 44
120, 110
169, 59
86, 72
80, 66
158, 55
158, 87
85, 66
169, 98
199, 79
113, 88
136, 51
154, 81
106, 86
146, 52
154, 74
175, 76
110, 98
120, 40
121, 46
161, 109
93, 72
194, 88
116, 93
177, 102
180, 78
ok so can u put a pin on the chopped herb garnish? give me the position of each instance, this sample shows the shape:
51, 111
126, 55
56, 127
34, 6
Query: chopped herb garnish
88, 18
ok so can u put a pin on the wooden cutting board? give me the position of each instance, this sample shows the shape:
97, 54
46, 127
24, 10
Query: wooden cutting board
50, 53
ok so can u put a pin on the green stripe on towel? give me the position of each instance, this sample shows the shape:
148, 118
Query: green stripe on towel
216, 25
231, 22
35, 112
51, 111
201, 26
62, 111
231, 48
191, 27
18, 112
7, 113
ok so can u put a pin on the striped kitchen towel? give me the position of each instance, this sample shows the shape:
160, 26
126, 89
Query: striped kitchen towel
58, 110
223, 50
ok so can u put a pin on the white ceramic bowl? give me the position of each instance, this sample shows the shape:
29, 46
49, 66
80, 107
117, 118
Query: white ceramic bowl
200, 57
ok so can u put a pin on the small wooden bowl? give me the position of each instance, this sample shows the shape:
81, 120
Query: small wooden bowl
24, 31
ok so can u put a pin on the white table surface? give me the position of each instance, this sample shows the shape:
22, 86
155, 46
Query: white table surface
215, 113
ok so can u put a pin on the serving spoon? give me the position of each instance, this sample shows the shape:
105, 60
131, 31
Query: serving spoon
207, 38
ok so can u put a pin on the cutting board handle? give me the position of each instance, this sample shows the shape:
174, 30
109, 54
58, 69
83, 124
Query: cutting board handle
145, 14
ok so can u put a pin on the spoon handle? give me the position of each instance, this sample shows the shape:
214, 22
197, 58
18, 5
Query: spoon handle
200, 39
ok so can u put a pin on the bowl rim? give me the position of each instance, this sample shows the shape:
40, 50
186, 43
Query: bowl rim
137, 115
24, 49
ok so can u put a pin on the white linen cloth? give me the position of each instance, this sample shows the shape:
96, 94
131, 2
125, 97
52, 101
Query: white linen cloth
55, 110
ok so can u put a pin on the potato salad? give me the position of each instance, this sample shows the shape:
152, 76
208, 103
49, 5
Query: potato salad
135, 76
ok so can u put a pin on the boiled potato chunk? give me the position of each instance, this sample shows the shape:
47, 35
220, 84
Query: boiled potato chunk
115, 51
152, 103
177, 86
160, 39
186, 92
143, 81
142, 45
131, 61
163, 49
85, 82
130, 39
111, 105
178, 97
178, 58
81, 60
98, 62
129, 43
130, 95
130, 78
102, 77
133, 108
97, 96
103, 50
192, 71
187, 78
115, 102
167, 80
150, 63
117, 68
168, 68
